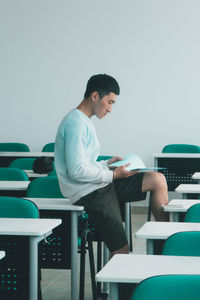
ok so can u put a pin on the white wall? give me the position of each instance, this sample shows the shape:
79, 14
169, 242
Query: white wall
49, 49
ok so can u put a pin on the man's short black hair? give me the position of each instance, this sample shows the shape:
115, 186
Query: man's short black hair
103, 84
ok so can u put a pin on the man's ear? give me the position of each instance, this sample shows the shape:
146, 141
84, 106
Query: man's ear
95, 96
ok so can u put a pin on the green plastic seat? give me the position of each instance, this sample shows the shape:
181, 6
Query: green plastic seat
11, 207
193, 214
182, 244
44, 187
103, 157
22, 163
181, 148
13, 174
48, 147
52, 173
19, 147
168, 287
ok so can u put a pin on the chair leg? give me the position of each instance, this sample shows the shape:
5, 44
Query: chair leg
82, 267
99, 265
92, 267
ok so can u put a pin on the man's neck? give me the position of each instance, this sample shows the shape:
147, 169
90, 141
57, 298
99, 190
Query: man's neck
85, 107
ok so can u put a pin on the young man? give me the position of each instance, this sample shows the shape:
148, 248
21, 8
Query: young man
93, 184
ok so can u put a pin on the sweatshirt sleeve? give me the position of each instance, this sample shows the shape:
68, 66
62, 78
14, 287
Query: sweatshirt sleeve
81, 165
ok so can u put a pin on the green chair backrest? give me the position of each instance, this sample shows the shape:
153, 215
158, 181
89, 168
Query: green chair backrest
11, 207
103, 157
19, 147
22, 163
52, 173
48, 147
181, 148
168, 287
44, 187
193, 214
182, 244
13, 174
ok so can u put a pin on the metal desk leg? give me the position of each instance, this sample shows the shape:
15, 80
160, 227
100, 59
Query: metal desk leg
150, 248
105, 260
113, 291
127, 221
175, 217
33, 265
74, 255
33, 269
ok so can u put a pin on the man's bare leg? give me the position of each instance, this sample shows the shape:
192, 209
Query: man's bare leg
156, 183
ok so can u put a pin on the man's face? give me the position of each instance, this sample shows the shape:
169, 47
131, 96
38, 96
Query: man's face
104, 105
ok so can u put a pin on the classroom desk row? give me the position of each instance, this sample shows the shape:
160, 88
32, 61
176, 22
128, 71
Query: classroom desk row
6, 157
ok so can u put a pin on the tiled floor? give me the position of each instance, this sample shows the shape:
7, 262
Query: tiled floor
56, 283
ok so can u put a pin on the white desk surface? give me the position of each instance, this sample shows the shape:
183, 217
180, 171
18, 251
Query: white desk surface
55, 204
14, 185
135, 268
180, 205
30, 227
188, 188
176, 155
162, 230
2, 254
32, 174
25, 154
196, 175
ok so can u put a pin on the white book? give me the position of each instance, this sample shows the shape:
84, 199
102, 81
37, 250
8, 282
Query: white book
135, 163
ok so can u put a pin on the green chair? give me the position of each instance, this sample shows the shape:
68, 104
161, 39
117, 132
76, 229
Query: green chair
193, 214
52, 173
185, 243
11, 207
14, 271
44, 187
13, 147
168, 287
103, 157
48, 147
12, 174
22, 163
181, 148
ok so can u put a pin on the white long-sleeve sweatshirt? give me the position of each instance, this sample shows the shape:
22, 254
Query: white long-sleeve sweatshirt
76, 151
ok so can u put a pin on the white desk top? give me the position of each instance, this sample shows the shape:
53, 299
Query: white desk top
2, 254
30, 227
55, 204
196, 175
14, 185
162, 230
135, 268
32, 174
176, 155
188, 188
25, 154
180, 205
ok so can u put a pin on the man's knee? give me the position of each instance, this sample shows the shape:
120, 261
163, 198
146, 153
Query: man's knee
156, 181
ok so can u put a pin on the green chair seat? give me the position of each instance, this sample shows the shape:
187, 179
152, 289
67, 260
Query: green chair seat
168, 287
13, 174
18, 147
181, 148
48, 147
182, 244
22, 163
44, 187
193, 214
11, 207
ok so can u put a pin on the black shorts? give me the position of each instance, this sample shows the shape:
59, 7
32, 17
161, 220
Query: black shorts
103, 207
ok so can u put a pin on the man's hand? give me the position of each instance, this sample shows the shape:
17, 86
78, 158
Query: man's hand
121, 172
113, 160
